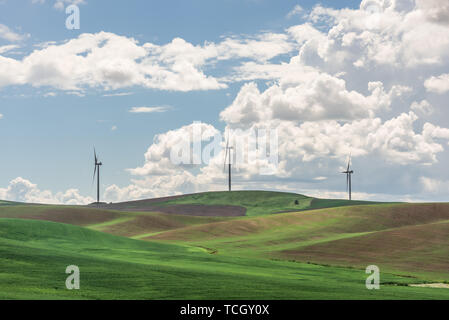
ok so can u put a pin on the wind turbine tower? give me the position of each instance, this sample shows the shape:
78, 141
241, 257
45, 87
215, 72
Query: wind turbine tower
97, 172
348, 173
229, 158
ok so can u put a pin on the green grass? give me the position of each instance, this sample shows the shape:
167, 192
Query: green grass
34, 255
259, 202
130, 224
306, 254
398, 237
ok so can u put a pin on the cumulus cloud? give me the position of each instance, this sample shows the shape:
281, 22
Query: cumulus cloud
394, 140
436, 11
387, 32
303, 150
23, 190
175, 144
423, 107
104, 60
439, 84
320, 97
108, 61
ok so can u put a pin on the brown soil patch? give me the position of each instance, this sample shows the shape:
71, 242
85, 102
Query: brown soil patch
344, 220
69, 215
414, 248
133, 205
202, 210
198, 210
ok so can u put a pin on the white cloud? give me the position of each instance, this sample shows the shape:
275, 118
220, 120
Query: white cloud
9, 35
438, 84
50, 94
23, 190
103, 60
436, 11
384, 32
158, 156
434, 186
303, 148
262, 47
395, 140
423, 107
4, 49
319, 97
295, 11
118, 94
157, 109
108, 61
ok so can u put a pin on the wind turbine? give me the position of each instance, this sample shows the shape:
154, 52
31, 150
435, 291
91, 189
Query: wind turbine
228, 156
348, 173
97, 172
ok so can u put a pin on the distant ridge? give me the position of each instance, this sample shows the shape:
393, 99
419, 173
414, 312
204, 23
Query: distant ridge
229, 204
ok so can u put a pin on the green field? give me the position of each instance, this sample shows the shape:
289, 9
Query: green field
308, 254
255, 202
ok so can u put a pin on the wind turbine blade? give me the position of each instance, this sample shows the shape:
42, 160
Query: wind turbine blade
95, 171
226, 155
347, 182
232, 153
349, 161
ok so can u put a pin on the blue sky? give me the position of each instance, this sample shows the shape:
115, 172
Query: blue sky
49, 130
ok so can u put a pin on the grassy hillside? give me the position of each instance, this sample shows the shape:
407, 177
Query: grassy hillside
129, 224
9, 203
143, 224
319, 251
410, 238
80, 216
34, 255
255, 202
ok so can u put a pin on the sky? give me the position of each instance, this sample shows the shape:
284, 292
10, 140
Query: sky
366, 78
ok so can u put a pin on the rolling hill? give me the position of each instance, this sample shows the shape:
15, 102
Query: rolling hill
410, 238
34, 255
254, 203
285, 246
